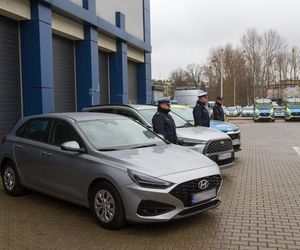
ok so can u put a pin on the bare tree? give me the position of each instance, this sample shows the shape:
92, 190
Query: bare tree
252, 47
294, 61
194, 73
272, 44
178, 77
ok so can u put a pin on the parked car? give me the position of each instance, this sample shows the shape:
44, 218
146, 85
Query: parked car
214, 144
279, 112
232, 111
230, 129
264, 110
120, 169
292, 112
247, 111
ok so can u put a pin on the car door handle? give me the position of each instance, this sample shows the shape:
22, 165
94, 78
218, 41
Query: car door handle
45, 153
18, 146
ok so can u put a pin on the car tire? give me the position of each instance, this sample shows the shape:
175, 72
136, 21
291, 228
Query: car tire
10, 180
107, 206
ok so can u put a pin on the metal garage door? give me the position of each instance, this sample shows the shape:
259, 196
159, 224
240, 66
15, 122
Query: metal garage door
132, 82
104, 86
10, 93
64, 79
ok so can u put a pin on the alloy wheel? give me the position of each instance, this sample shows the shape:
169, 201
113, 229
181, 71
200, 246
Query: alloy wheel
9, 178
104, 205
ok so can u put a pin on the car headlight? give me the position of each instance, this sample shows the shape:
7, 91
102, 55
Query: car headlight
190, 142
148, 181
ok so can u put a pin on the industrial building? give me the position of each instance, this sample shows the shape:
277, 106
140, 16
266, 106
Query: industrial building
63, 55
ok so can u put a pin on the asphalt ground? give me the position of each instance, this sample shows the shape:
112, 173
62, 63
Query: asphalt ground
260, 207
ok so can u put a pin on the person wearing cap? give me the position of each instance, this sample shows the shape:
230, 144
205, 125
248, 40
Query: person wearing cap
163, 122
200, 113
218, 112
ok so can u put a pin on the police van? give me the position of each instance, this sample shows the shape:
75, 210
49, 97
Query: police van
263, 110
292, 111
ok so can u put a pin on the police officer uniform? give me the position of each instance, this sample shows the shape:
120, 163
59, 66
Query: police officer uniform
163, 122
201, 114
218, 113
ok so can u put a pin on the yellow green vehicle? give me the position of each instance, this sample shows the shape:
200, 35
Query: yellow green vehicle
263, 110
292, 111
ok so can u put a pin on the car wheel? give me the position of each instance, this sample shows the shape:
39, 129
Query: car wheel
107, 206
11, 181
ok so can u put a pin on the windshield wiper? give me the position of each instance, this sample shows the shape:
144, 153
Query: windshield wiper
145, 146
107, 149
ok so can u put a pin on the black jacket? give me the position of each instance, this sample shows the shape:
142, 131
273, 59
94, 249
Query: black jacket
164, 124
201, 115
218, 113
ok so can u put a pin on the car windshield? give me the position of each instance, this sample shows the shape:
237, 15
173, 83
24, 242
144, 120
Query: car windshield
185, 113
117, 134
247, 109
293, 105
264, 106
179, 122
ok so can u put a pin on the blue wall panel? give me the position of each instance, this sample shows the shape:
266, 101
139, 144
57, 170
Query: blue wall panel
119, 68
37, 61
87, 70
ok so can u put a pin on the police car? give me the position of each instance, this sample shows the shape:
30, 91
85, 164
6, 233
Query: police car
292, 109
263, 110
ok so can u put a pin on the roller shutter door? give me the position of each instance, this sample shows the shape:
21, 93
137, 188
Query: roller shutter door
64, 79
132, 83
10, 93
104, 86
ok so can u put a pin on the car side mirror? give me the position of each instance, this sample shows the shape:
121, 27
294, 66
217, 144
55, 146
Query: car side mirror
72, 146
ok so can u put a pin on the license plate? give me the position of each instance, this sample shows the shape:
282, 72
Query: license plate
203, 196
235, 142
224, 156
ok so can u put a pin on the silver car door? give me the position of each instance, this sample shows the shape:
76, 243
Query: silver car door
64, 172
27, 150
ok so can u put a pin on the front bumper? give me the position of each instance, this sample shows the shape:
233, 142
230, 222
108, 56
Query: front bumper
292, 118
159, 205
263, 118
224, 163
236, 140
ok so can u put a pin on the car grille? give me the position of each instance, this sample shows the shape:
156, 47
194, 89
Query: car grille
219, 146
184, 191
200, 208
234, 136
296, 113
264, 114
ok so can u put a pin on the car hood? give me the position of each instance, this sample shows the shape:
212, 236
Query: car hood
201, 133
295, 110
159, 161
223, 126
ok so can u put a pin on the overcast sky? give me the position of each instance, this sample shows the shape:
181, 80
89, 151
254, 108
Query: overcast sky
183, 31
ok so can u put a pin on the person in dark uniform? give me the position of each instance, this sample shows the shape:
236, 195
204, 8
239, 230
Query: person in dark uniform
163, 122
200, 113
218, 112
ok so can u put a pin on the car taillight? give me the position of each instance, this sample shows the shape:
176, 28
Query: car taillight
4, 139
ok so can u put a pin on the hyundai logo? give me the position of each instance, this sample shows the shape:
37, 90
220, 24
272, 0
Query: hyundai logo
203, 184
222, 143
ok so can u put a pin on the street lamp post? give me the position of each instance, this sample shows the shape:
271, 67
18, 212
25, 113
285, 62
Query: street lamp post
234, 91
221, 72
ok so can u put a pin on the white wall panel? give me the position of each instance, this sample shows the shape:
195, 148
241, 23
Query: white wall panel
78, 2
16, 9
132, 9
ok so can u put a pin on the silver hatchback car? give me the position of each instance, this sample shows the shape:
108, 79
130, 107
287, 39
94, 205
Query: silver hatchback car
120, 169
